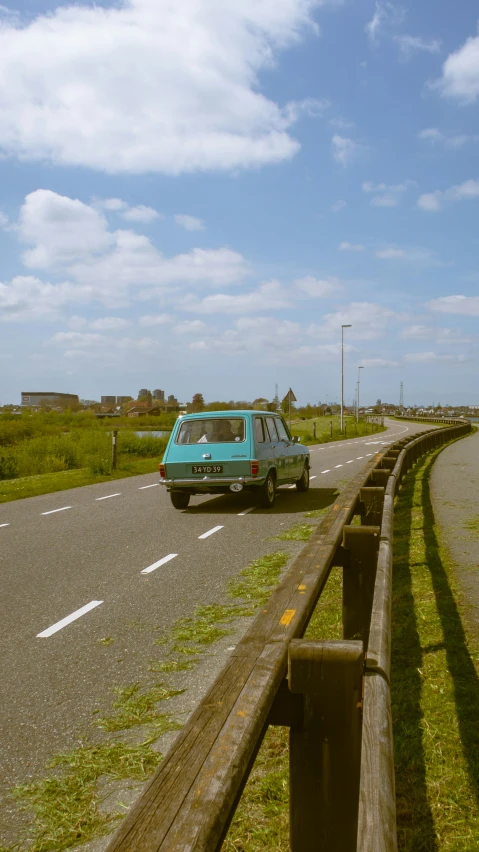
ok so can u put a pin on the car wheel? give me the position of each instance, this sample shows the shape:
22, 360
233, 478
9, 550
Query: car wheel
303, 483
179, 499
267, 492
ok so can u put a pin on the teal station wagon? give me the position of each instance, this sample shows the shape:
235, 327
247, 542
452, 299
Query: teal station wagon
219, 452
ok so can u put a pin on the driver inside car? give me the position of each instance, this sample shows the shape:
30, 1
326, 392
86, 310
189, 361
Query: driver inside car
221, 432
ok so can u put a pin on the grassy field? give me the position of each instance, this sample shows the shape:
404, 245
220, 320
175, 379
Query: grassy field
44, 453
324, 432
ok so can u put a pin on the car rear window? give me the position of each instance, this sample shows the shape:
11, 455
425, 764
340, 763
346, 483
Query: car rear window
212, 430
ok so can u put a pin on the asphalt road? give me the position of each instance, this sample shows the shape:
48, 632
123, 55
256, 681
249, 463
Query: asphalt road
88, 550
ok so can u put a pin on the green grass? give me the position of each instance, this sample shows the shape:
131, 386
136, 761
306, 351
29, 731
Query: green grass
304, 429
134, 707
300, 532
472, 524
435, 685
49, 483
66, 805
256, 582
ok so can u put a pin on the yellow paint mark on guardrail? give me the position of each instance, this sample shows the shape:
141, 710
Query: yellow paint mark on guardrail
287, 617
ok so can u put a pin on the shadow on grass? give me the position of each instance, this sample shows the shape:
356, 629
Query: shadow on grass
416, 827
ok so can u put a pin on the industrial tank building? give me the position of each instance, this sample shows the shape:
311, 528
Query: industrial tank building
65, 400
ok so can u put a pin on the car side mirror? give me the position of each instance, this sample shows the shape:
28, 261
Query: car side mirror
296, 439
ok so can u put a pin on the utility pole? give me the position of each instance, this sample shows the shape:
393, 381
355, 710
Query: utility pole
346, 325
401, 396
357, 409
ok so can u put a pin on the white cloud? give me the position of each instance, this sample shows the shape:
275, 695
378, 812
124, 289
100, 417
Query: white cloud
185, 76
26, 298
338, 206
468, 305
109, 323
158, 319
3, 220
385, 15
190, 327
430, 201
368, 186
351, 247
390, 253
318, 288
384, 201
379, 362
190, 223
433, 201
73, 238
368, 320
460, 73
410, 44
455, 141
432, 357
269, 296
443, 336
141, 213
345, 150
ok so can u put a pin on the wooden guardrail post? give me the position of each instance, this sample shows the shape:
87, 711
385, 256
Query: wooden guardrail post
325, 752
372, 500
359, 575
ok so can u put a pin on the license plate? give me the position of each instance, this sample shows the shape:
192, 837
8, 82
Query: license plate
207, 468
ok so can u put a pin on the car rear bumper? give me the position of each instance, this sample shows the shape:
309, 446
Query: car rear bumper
209, 481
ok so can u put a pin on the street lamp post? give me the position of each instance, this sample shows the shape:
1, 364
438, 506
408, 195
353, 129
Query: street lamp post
357, 409
346, 325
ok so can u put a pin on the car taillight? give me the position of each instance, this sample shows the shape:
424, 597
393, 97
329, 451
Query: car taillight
254, 468
161, 468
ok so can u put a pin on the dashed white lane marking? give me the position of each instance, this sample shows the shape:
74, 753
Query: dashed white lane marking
369, 454
52, 511
160, 562
142, 487
68, 620
4, 525
251, 509
210, 532
350, 461
338, 465
313, 477
291, 486
359, 457
108, 496
326, 471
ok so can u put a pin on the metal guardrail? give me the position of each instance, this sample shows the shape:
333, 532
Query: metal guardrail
335, 698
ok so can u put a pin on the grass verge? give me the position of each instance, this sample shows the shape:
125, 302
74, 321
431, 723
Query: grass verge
48, 483
305, 429
435, 684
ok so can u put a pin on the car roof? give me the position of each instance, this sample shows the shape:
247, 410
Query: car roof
228, 414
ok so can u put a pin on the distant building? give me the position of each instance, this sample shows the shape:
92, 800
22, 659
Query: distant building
108, 400
143, 392
50, 398
159, 395
172, 400
120, 400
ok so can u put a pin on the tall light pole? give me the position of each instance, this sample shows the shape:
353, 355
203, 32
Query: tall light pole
357, 409
346, 325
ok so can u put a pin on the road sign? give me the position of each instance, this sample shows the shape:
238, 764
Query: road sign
290, 396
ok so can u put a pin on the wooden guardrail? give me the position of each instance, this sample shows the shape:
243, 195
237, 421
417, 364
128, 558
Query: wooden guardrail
334, 695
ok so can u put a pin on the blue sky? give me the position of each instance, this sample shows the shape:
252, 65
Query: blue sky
196, 196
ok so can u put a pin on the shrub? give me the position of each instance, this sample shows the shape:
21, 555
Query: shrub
8, 465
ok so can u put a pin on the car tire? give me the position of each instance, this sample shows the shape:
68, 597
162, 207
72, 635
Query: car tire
267, 492
179, 499
303, 483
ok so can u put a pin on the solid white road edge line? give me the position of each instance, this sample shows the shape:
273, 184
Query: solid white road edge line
210, 532
68, 620
251, 509
157, 564
142, 487
108, 496
52, 511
